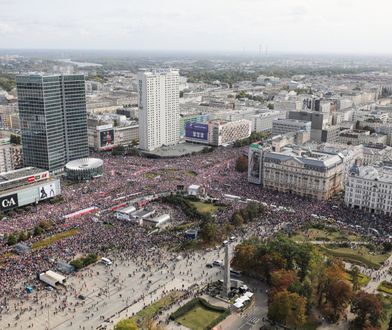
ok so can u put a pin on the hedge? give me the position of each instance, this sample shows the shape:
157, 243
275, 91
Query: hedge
184, 309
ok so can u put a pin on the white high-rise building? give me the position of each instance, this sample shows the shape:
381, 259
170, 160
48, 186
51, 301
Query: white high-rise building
159, 110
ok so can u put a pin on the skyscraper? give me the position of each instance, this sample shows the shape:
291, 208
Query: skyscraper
159, 115
53, 119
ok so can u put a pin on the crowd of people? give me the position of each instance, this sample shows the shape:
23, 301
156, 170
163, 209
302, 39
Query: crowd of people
126, 176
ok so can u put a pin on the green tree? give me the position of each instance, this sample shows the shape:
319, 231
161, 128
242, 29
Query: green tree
127, 324
288, 308
118, 150
303, 259
208, 231
270, 106
22, 236
77, 263
38, 231
12, 239
15, 139
355, 278
237, 219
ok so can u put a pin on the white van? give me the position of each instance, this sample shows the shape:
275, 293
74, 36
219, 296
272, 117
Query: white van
106, 261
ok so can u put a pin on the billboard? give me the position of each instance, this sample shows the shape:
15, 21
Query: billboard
47, 191
196, 132
106, 138
8, 202
255, 166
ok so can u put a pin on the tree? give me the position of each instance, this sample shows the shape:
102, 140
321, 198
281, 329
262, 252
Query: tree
282, 279
237, 219
118, 150
338, 296
38, 231
270, 106
270, 262
287, 308
241, 165
208, 231
355, 278
244, 256
367, 308
127, 324
15, 139
334, 292
22, 236
12, 239
303, 259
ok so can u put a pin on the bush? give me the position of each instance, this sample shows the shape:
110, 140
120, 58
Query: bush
77, 263
12, 239
38, 231
84, 262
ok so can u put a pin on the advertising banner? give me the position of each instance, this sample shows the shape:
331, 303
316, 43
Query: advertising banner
196, 131
106, 138
8, 202
47, 191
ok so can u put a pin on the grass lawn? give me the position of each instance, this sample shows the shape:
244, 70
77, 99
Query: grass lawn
385, 287
153, 309
314, 234
53, 239
190, 173
360, 255
205, 208
363, 279
150, 175
198, 318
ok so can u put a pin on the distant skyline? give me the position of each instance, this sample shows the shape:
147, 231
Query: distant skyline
284, 26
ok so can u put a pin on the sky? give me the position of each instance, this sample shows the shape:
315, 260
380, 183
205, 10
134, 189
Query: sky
289, 26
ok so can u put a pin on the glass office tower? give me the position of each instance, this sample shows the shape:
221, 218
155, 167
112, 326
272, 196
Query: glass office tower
53, 119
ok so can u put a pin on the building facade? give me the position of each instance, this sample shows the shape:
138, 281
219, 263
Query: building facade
369, 188
222, 132
159, 110
52, 111
283, 126
10, 156
356, 137
306, 173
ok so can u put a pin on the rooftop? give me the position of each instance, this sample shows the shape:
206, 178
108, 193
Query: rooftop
20, 173
84, 164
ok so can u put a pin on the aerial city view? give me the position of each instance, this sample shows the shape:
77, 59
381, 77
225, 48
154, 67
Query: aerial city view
173, 165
